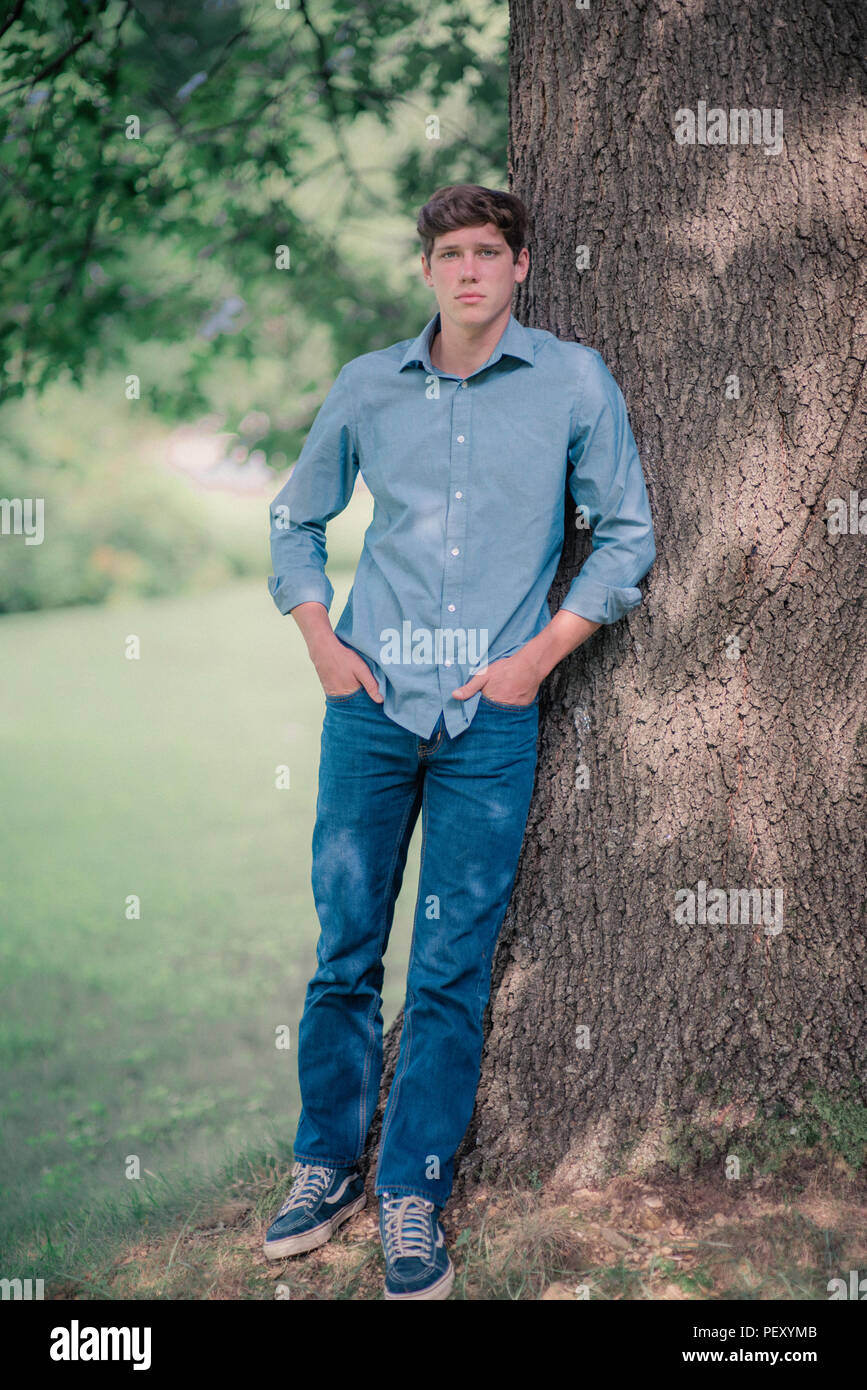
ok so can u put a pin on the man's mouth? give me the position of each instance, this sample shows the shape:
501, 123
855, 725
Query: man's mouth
471, 296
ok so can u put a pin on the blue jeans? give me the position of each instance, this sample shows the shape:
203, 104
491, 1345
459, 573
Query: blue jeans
474, 794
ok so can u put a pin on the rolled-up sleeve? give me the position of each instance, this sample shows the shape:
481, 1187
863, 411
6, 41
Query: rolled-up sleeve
318, 488
607, 484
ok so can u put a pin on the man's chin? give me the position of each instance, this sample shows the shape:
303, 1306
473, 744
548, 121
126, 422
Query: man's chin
479, 312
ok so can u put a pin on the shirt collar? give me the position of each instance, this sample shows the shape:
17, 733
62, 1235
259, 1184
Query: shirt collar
515, 342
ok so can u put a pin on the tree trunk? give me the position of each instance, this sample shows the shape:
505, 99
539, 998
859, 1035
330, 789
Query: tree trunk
717, 735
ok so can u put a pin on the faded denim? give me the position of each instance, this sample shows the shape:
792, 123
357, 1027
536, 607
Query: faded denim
474, 794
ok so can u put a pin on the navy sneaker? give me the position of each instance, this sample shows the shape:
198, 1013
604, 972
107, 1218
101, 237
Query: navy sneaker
417, 1264
321, 1199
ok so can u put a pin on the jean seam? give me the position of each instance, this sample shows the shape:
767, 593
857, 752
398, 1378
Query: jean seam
423, 751
326, 1162
410, 997
500, 704
407, 1191
485, 975
351, 696
372, 1043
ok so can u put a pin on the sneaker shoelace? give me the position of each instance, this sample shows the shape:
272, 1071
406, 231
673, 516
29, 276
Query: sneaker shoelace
407, 1228
311, 1180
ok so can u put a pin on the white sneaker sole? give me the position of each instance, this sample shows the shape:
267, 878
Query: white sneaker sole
318, 1235
441, 1289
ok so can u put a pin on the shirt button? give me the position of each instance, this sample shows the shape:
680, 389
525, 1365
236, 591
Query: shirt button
456, 551
460, 439
464, 385
451, 608
459, 494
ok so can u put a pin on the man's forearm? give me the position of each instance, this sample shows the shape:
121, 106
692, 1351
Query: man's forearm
314, 622
564, 633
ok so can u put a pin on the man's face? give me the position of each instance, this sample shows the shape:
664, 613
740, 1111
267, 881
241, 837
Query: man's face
472, 273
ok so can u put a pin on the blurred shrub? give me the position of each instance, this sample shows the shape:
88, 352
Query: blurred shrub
115, 524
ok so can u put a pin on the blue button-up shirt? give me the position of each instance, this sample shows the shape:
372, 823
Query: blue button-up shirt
468, 480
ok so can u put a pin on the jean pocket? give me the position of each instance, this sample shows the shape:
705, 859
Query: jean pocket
342, 699
498, 704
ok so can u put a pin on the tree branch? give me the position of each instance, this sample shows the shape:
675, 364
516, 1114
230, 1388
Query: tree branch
53, 66
11, 18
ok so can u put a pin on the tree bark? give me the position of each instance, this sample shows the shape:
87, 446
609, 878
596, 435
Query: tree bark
723, 724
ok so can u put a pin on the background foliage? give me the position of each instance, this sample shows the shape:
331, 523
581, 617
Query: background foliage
154, 257
153, 158
257, 128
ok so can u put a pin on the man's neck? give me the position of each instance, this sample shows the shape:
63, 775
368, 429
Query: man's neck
458, 352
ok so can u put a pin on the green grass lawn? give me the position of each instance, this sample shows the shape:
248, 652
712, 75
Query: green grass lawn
155, 1036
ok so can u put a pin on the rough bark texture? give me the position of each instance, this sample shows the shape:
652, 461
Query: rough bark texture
722, 725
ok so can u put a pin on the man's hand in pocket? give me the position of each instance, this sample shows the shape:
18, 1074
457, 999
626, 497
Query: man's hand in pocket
342, 671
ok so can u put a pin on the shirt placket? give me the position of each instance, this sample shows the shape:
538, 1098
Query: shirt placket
452, 604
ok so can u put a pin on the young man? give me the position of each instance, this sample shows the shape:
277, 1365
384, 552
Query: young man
466, 437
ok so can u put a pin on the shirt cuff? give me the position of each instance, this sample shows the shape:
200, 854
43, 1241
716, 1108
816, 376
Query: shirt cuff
599, 603
288, 593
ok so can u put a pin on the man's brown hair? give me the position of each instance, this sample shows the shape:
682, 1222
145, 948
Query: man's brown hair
470, 205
